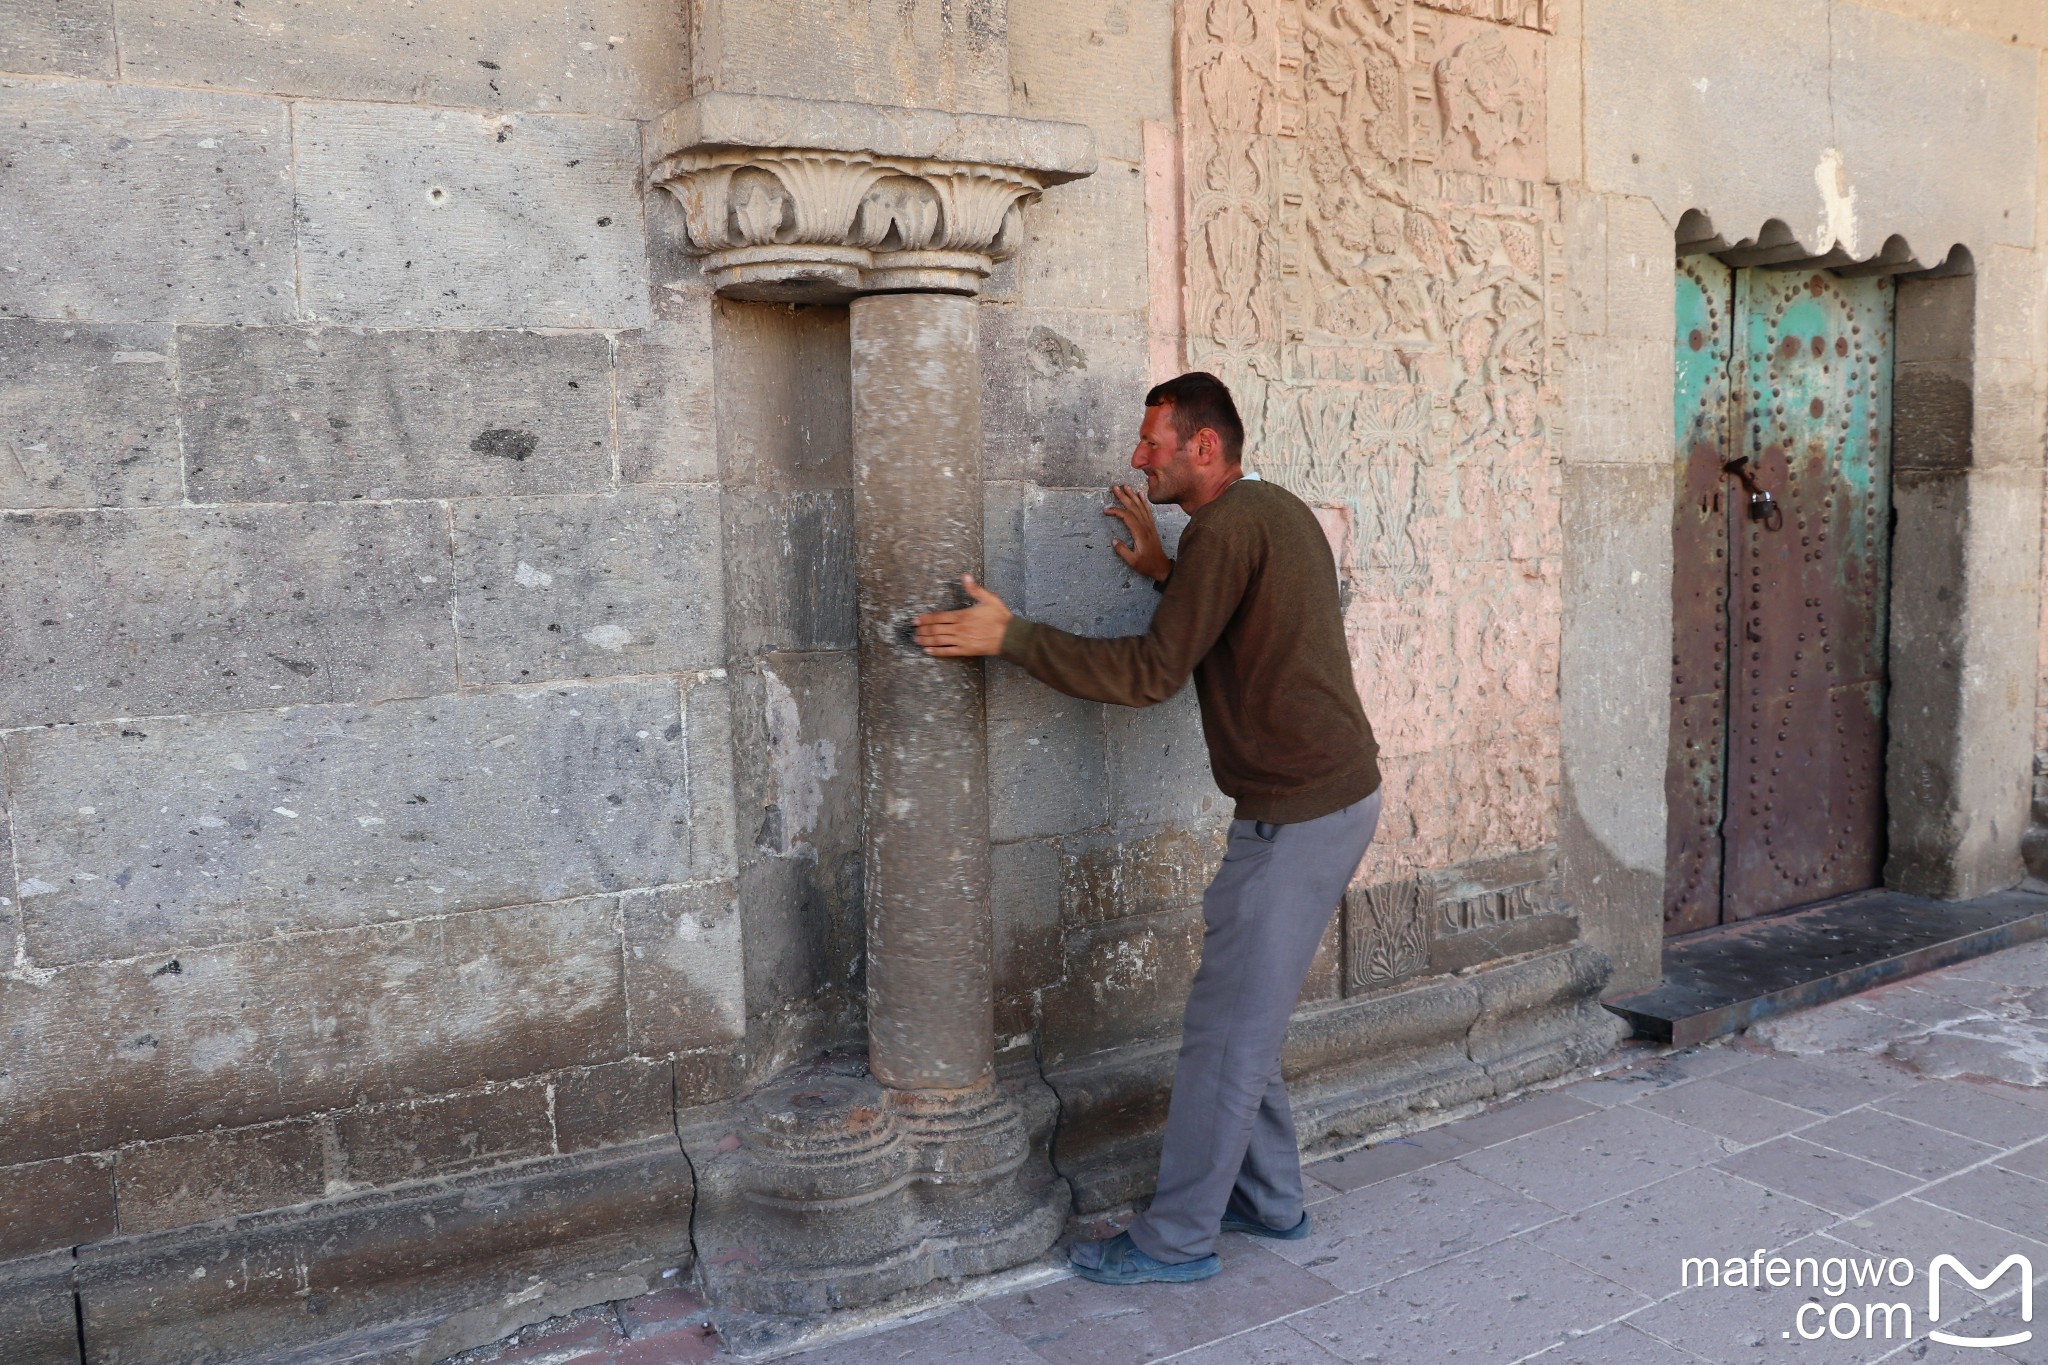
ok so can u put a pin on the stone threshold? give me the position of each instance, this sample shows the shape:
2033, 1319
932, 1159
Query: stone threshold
1726, 978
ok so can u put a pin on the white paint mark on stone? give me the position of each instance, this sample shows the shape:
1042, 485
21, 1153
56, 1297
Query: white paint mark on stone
801, 768
212, 822
280, 810
237, 762
139, 358
369, 821
608, 636
36, 886
526, 576
1838, 221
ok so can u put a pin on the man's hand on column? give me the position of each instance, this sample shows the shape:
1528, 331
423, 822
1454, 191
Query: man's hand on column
1144, 553
969, 633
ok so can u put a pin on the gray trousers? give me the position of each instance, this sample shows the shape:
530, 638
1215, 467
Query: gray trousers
1229, 1135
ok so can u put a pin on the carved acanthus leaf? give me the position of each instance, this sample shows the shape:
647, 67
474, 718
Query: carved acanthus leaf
799, 223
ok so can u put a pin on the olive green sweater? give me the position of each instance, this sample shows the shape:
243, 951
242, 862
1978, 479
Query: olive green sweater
1251, 609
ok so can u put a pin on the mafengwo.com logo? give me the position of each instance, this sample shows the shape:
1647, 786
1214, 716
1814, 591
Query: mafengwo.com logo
1861, 1298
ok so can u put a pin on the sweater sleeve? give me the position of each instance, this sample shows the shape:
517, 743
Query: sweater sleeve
1200, 597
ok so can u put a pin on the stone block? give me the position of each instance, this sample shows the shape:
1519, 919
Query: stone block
1724, 110
2009, 304
2006, 426
39, 1311
162, 610
921, 54
784, 395
1063, 393
1325, 980
1564, 102
52, 1204
789, 571
198, 1179
1933, 416
1937, 132
582, 587
413, 217
423, 1273
1642, 271
44, 39
665, 402
1047, 767
423, 1139
1084, 244
1585, 262
603, 1106
1617, 401
623, 58
1615, 710
188, 195
708, 772
1159, 765
1073, 579
317, 414
328, 817
684, 984
1110, 67
1125, 981
1512, 938
1002, 542
88, 416
1024, 895
798, 788
376, 1015
1107, 877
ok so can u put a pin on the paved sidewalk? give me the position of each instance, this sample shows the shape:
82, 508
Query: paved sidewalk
1553, 1227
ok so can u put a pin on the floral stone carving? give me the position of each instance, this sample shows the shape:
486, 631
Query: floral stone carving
810, 224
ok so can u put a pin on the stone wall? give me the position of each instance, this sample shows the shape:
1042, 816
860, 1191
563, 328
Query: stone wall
365, 728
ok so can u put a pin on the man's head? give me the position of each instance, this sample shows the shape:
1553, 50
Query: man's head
1192, 440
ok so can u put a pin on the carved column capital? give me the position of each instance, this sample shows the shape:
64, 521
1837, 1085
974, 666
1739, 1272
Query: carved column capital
802, 200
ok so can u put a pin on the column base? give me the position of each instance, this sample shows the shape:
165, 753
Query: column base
827, 1190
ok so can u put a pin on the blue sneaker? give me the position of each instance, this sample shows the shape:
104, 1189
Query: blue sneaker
1118, 1261
1236, 1222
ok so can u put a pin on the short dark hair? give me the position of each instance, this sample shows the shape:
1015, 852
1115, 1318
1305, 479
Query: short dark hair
1199, 399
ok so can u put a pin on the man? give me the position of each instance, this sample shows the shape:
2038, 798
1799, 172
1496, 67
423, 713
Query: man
1251, 609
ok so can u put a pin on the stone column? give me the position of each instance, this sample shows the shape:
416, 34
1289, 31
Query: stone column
917, 528
837, 1184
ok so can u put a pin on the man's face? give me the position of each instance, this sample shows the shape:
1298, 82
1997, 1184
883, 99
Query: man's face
1166, 462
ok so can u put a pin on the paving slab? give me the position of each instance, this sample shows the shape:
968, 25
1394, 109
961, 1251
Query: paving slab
1385, 1160
1727, 1110
2018, 1203
966, 1335
1976, 1111
1826, 1085
1660, 1072
1578, 1164
1757, 1327
1617, 1344
1913, 1147
1274, 1344
1389, 1229
1834, 1180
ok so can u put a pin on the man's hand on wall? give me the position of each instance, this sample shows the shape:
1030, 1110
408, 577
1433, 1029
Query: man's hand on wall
1144, 553
970, 632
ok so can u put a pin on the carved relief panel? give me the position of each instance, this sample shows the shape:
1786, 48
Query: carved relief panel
1371, 261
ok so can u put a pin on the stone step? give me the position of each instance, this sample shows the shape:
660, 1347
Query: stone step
1729, 977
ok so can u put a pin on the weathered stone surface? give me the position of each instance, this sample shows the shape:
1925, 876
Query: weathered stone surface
1112, 876
155, 1047
425, 217
915, 53
1617, 396
197, 1179
789, 575
1024, 894
799, 798
783, 397
189, 196
436, 1137
48, 39
1124, 982
1063, 392
1072, 578
151, 611
315, 414
430, 1273
624, 58
1511, 938
1159, 764
1936, 129
685, 986
603, 1106
1585, 262
1109, 67
38, 1314
1046, 761
323, 817
665, 407
1084, 247
88, 416
581, 587
1616, 710
1641, 283
51, 1204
